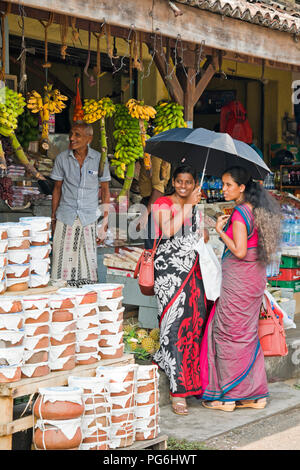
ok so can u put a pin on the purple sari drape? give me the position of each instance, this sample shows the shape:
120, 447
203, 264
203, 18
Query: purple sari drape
231, 359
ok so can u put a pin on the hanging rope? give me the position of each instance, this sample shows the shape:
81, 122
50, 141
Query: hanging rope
64, 27
109, 46
98, 65
3, 52
75, 31
46, 26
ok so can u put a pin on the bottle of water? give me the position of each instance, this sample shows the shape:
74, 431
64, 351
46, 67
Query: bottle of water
298, 231
285, 231
292, 224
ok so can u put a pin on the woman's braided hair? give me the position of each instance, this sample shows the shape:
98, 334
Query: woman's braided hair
266, 211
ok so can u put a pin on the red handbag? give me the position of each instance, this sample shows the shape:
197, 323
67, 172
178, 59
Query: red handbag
145, 270
271, 334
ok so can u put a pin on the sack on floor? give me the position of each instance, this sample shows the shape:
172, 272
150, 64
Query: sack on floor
210, 269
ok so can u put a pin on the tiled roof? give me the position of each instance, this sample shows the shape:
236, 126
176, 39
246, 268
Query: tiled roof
280, 16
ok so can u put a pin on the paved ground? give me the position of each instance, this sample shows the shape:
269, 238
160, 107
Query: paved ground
242, 427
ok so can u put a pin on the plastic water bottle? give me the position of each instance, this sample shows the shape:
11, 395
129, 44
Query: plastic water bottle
292, 241
285, 231
298, 231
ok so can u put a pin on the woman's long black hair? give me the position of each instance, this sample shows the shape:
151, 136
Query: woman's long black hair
266, 211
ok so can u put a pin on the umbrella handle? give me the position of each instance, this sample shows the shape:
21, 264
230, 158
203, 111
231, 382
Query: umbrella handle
204, 168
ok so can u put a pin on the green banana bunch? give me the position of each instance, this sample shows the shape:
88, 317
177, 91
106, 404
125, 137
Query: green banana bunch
28, 129
129, 147
169, 115
11, 106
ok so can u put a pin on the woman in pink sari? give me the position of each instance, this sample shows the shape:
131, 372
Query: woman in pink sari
231, 359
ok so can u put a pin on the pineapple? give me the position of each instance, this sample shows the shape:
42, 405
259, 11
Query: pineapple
154, 334
148, 344
133, 343
141, 333
128, 329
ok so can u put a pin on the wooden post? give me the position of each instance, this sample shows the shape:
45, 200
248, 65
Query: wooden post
189, 91
6, 417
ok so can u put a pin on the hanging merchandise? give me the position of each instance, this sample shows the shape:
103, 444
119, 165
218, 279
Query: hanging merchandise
46, 25
64, 26
129, 147
28, 129
78, 114
99, 110
51, 103
233, 121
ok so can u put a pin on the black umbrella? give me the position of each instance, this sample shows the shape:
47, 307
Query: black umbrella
206, 151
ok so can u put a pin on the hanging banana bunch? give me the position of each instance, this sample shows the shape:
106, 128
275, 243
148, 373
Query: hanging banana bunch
51, 103
142, 112
169, 115
129, 147
99, 111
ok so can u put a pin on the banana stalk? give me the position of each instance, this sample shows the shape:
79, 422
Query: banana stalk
147, 157
103, 146
21, 156
3, 166
128, 180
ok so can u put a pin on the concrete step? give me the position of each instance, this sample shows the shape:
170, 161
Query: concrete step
202, 424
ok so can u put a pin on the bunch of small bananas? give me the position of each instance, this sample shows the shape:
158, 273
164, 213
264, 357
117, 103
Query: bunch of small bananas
11, 106
139, 110
95, 110
28, 129
129, 146
169, 115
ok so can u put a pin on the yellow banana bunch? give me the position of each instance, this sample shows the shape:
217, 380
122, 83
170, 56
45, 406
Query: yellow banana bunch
11, 106
95, 110
169, 115
139, 110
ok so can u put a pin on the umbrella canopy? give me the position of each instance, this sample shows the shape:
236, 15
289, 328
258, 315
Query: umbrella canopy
205, 150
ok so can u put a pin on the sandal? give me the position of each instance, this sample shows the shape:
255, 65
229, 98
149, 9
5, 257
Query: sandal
179, 407
219, 405
258, 405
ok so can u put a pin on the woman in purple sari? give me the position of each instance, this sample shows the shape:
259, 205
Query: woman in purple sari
231, 359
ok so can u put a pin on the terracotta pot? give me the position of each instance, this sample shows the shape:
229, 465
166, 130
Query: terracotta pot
2, 273
121, 388
96, 409
17, 271
147, 372
37, 224
95, 446
87, 347
146, 386
18, 243
36, 342
144, 435
11, 338
101, 420
10, 305
10, 374
11, 356
17, 285
148, 398
110, 304
107, 329
61, 302
36, 302
18, 229
112, 316
3, 260
117, 374
111, 353
90, 385
35, 370
40, 267
40, 238
63, 338
87, 358
83, 295
144, 412
53, 438
107, 291
3, 246
59, 403
11, 321
94, 399
3, 287
36, 329
62, 327
40, 252
126, 401
3, 233
36, 316
36, 355
37, 281
87, 310
87, 335
123, 441
111, 340
62, 315
65, 363
88, 322
119, 416
101, 435
63, 350
18, 256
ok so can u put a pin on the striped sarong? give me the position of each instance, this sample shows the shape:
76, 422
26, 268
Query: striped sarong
74, 256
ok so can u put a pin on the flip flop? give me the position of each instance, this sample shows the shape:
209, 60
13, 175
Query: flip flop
179, 407
223, 406
258, 405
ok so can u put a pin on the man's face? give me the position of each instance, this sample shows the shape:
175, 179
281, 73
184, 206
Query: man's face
79, 140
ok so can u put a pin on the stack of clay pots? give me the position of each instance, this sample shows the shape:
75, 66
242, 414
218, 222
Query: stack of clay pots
122, 390
87, 324
11, 339
37, 335
146, 403
40, 234
3, 257
96, 421
59, 411
18, 256
62, 332
111, 345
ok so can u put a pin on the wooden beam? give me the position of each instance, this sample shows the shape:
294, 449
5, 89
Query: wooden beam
195, 25
205, 79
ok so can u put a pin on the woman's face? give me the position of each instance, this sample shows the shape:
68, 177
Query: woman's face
184, 184
232, 191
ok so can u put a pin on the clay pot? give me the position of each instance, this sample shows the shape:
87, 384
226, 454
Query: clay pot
88, 322
146, 386
11, 338
11, 356
3, 246
36, 355
111, 305
18, 230
118, 416
112, 341
62, 327
122, 436
36, 329
143, 435
40, 252
86, 358
18, 243
10, 305
111, 328
61, 301
87, 310
36, 280
18, 256
100, 435
82, 295
90, 385
40, 267
11, 321
147, 372
64, 350
38, 302
3, 233
3, 287
107, 291
121, 388
87, 347
63, 338
96, 409
64, 363
94, 446
17, 271
37, 224
62, 315
59, 403
87, 335
35, 370
148, 398
125, 401
36, 342
95, 399
117, 374
40, 238
146, 411
52, 437
2, 273
111, 353
3, 260
36, 316
112, 316
17, 285
10, 374
101, 420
